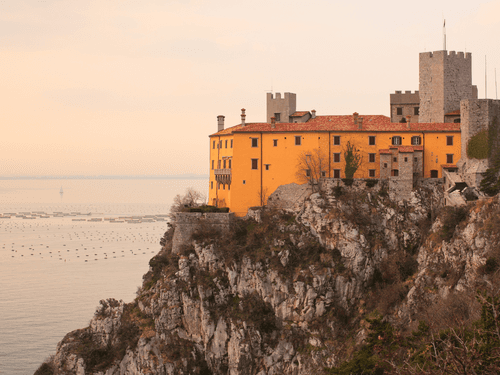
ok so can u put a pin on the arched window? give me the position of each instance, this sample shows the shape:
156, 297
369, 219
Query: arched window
396, 140
416, 141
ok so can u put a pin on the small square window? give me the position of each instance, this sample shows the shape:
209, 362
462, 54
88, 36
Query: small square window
308, 172
406, 160
395, 159
231, 143
415, 160
267, 167
449, 158
244, 182
213, 145
298, 140
371, 140
449, 141
336, 157
371, 172
323, 174
211, 184
277, 117
399, 111
336, 140
255, 142
395, 172
255, 163
213, 162
385, 165
275, 143
371, 158
336, 173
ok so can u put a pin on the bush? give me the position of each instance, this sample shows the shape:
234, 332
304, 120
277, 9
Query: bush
348, 181
451, 217
478, 146
491, 265
371, 183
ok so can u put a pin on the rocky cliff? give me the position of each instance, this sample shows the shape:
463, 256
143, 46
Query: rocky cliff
289, 291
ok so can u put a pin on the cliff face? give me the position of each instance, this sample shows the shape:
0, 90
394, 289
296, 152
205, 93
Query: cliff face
288, 294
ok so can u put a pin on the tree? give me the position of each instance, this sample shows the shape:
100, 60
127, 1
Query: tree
352, 159
310, 167
191, 198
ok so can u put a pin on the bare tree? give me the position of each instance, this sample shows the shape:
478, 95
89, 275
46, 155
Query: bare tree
311, 166
191, 198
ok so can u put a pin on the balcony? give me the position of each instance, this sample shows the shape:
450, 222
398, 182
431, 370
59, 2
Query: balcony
223, 176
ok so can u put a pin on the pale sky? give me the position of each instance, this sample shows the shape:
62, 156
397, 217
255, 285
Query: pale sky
135, 87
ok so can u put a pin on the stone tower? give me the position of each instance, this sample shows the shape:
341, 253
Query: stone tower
445, 80
281, 108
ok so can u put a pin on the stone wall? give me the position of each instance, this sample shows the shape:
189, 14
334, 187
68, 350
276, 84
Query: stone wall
445, 80
285, 106
289, 196
407, 101
186, 223
477, 115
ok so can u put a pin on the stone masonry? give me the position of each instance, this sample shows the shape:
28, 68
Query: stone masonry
407, 103
285, 107
445, 80
186, 223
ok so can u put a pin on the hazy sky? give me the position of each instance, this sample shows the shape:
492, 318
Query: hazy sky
135, 87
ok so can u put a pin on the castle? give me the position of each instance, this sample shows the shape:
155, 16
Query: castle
425, 137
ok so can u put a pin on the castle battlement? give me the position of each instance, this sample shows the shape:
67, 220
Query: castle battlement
447, 54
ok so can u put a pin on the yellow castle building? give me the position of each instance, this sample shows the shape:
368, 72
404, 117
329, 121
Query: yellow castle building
249, 161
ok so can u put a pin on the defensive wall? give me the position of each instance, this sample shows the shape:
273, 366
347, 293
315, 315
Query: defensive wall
186, 223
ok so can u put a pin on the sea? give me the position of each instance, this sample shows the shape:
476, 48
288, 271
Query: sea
67, 244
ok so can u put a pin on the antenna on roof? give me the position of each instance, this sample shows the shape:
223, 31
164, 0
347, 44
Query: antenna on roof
444, 35
485, 79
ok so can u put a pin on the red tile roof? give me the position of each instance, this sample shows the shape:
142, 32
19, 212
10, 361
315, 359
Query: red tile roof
453, 113
299, 114
344, 123
447, 166
385, 151
406, 149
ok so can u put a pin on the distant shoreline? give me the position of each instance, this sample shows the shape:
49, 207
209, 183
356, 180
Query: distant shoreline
104, 177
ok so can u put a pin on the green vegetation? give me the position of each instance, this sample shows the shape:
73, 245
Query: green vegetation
352, 159
478, 146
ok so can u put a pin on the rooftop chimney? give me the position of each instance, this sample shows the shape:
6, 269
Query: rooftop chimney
408, 121
355, 117
243, 117
220, 123
313, 113
273, 122
360, 123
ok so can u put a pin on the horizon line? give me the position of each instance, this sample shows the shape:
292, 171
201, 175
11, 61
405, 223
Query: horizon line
192, 176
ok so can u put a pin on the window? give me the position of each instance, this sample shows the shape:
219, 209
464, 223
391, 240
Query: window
277, 117
224, 164
267, 167
244, 182
213, 145
298, 140
434, 173
416, 111
399, 111
218, 164
415, 160
395, 159
225, 146
255, 142
449, 140
336, 157
371, 158
385, 165
323, 174
211, 184
449, 158
406, 160
308, 172
336, 140
371, 140
396, 140
395, 172
336, 173
415, 141
371, 173
220, 144
275, 143
213, 161
223, 186
457, 121
229, 162
231, 143
255, 163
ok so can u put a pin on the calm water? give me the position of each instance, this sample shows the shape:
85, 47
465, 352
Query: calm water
62, 253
